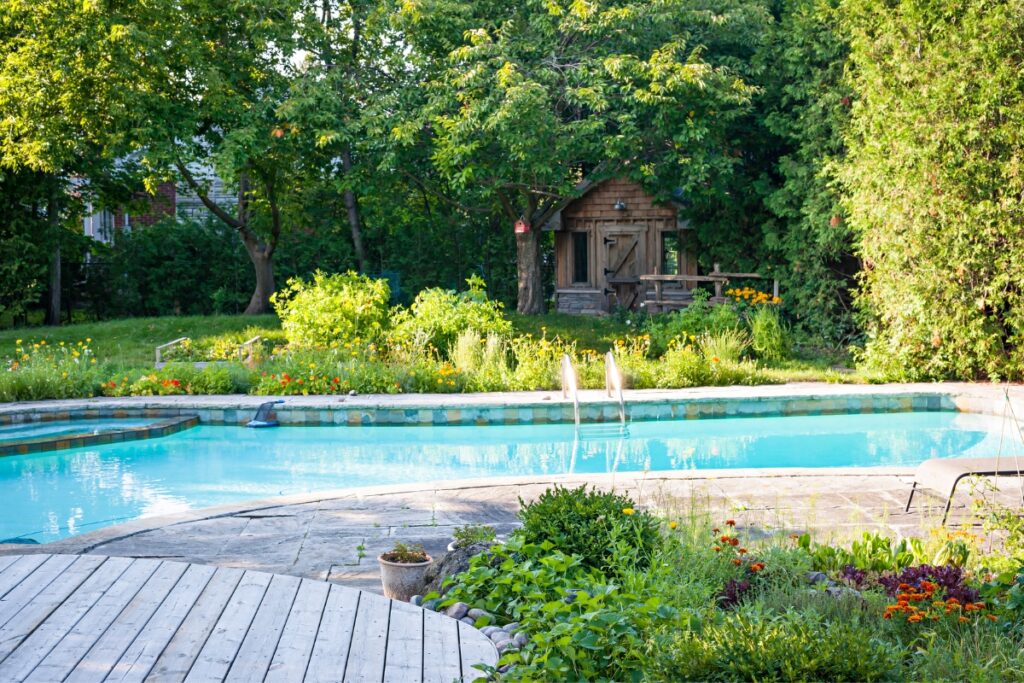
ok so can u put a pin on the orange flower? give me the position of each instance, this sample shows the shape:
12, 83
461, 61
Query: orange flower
757, 566
952, 601
715, 530
724, 539
730, 522
963, 619
717, 548
737, 562
991, 617
742, 551
734, 541
887, 615
914, 618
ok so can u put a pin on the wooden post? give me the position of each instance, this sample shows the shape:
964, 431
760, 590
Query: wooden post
775, 288
718, 283
657, 293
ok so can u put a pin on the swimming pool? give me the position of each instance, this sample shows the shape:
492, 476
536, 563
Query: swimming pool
21, 431
55, 495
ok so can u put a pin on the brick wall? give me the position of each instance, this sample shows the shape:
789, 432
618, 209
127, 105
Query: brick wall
153, 209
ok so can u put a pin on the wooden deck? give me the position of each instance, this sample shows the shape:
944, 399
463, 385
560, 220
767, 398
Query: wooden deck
95, 618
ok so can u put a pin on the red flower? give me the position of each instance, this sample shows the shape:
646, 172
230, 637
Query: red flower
737, 562
730, 522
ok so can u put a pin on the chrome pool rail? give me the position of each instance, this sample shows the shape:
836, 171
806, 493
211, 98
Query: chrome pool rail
613, 384
570, 386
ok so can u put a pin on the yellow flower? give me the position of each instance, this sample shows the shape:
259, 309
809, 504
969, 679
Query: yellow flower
312, 365
628, 511
17, 341
93, 361
673, 524
88, 340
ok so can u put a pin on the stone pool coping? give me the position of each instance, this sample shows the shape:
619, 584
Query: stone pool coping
163, 427
86, 542
545, 407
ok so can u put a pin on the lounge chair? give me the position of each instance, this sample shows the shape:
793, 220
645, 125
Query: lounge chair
941, 475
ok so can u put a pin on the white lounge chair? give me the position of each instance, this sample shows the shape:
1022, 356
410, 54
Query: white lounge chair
940, 476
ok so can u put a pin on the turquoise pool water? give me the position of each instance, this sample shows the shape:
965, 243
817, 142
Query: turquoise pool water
54, 495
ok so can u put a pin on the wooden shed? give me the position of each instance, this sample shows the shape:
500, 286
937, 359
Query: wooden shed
606, 240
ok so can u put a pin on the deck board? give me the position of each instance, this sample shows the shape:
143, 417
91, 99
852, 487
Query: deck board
93, 618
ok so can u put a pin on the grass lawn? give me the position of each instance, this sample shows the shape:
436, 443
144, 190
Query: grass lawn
132, 341
590, 332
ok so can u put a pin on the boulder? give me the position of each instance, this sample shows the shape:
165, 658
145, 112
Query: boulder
455, 562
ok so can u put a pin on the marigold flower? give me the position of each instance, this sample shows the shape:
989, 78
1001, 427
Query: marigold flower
914, 618
673, 525
991, 617
757, 566
717, 548
887, 615
734, 541
724, 539
742, 551
952, 601
628, 511
737, 562
730, 522
715, 530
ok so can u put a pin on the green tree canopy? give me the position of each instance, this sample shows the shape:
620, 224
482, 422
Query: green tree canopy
533, 102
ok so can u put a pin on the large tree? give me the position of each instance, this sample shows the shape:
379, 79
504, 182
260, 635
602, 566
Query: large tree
183, 90
533, 102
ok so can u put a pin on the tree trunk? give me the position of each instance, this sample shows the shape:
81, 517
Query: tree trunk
53, 219
352, 207
263, 262
531, 284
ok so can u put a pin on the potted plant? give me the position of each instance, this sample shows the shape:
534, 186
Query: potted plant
471, 533
402, 569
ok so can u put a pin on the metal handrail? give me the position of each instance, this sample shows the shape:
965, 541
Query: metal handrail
160, 349
570, 385
613, 384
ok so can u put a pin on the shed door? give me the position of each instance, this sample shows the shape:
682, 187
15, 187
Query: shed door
624, 252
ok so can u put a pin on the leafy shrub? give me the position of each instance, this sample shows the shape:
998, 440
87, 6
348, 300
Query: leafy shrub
538, 362
179, 378
332, 309
227, 346
440, 315
768, 336
793, 646
872, 552
686, 325
950, 580
586, 523
580, 627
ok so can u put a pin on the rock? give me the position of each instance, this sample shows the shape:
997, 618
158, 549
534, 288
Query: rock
505, 645
503, 669
430, 605
416, 600
467, 620
455, 562
520, 640
843, 592
457, 611
816, 577
488, 630
511, 627
477, 613
353, 392
499, 635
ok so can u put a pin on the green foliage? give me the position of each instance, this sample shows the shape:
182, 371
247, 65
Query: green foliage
177, 266
179, 378
872, 552
807, 106
35, 371
792, 646
588, 523
934, 181
580, 625
686, 325
438, 316
727, 346
404, 553
333, 310
768, 336
473, 533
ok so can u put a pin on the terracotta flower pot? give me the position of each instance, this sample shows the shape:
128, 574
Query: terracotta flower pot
400, 580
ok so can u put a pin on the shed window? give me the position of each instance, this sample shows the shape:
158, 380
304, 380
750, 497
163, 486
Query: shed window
580, 257
671, 248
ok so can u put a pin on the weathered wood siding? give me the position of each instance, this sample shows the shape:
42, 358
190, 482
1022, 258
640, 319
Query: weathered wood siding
622, 244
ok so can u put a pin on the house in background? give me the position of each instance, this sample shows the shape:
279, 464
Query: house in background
609, 238
169, 200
